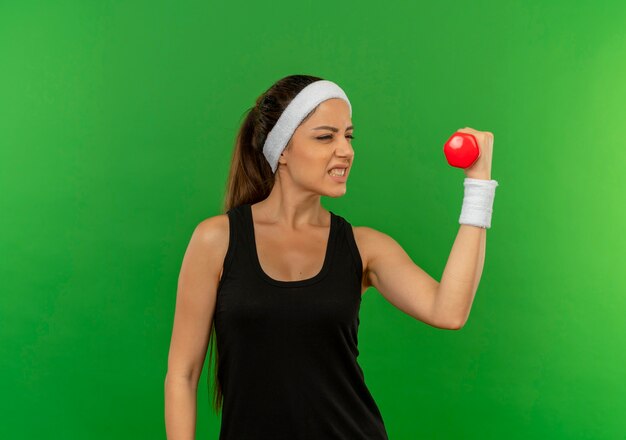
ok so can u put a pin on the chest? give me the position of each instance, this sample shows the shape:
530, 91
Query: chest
292, 256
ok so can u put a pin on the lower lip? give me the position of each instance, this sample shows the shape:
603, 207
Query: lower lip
340, 179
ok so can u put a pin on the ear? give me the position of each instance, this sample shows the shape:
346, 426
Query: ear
282, 158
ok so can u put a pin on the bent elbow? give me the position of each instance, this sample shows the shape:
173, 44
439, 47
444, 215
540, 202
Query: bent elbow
449, 323
445, 325
456, 325
446, 321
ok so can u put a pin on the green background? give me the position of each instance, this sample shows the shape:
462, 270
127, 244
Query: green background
117, 122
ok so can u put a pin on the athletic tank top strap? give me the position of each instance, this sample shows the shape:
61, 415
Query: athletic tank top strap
349, 246
236, 231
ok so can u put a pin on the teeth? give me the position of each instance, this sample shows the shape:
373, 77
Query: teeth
337, 172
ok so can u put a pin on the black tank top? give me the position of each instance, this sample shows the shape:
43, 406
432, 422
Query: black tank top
288, 349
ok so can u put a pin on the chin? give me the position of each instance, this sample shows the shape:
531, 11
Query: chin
336, 193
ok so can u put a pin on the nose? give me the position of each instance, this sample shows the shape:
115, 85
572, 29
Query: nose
345, 148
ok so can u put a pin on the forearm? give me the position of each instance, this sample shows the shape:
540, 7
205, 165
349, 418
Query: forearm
180, 408
461, 275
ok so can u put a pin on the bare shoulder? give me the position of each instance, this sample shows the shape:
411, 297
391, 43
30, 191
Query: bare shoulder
212, 229
368, 241
362, 236
211, 235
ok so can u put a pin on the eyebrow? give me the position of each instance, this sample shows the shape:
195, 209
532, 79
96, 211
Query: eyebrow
328, 127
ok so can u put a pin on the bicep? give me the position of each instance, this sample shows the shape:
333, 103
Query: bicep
402, 282
195, 298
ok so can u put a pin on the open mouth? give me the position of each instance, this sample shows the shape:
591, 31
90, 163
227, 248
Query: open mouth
338, 172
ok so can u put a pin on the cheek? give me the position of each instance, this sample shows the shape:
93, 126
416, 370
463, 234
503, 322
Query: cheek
310, 171
313, 161
310, 161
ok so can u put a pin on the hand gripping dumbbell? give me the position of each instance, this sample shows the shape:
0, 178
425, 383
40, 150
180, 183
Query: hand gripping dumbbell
461, 150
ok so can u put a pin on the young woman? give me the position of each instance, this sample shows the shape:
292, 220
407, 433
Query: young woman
278, 279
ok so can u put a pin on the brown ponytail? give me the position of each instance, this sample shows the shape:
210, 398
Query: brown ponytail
250, 179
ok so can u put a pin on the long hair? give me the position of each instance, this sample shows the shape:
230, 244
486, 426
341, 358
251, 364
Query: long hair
251, 179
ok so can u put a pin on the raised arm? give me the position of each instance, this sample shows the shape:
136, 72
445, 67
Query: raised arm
195, 304
389, 269
405, 285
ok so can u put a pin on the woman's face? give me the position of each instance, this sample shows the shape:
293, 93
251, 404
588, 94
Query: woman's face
321, 142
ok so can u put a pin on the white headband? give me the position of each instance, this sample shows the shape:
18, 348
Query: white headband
299, 107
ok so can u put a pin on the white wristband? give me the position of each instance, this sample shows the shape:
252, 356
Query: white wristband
478, 202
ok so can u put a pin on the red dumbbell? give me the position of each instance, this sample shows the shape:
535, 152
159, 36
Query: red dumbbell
461, 150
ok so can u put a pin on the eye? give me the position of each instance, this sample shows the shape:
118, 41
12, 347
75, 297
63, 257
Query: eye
330, 137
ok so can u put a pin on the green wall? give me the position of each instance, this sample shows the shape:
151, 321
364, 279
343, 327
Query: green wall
117, 122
